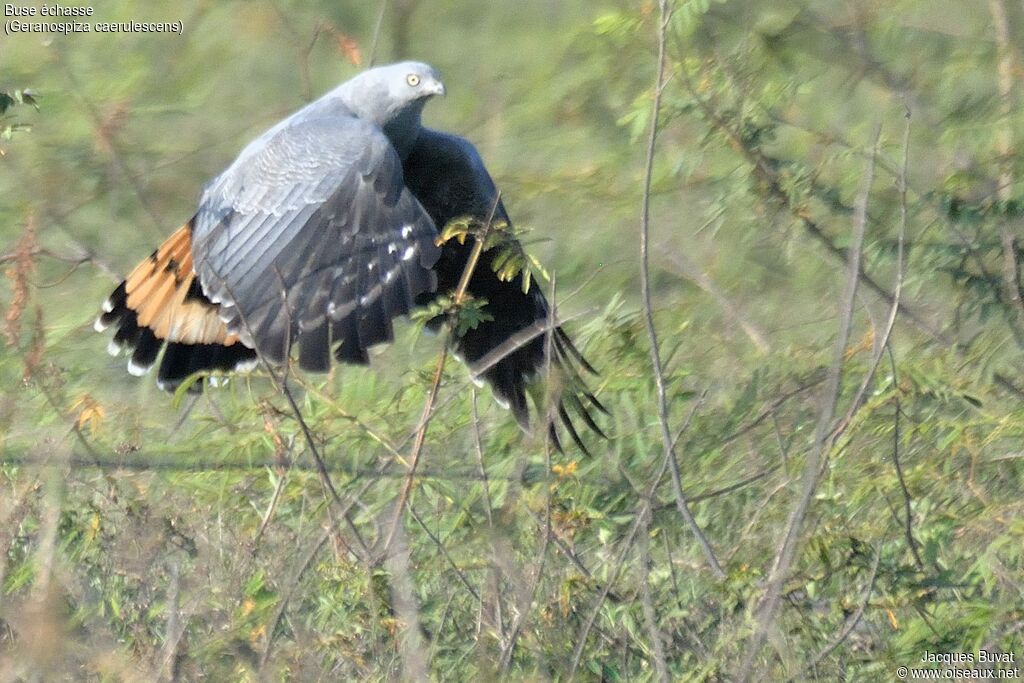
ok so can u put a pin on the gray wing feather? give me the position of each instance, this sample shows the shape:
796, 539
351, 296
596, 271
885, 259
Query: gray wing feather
302, 240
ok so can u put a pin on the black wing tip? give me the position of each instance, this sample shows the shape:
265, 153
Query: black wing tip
509, 378
567, 348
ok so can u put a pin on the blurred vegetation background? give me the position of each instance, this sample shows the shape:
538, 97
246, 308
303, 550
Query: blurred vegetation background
146, 537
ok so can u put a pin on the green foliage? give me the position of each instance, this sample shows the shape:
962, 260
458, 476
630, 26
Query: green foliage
466, 314
511, 260
191, 536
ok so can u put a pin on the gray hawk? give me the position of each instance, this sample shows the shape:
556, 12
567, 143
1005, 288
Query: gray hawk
323, 231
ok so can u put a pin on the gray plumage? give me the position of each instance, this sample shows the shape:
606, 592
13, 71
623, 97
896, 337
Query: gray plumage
321, 233
310, 237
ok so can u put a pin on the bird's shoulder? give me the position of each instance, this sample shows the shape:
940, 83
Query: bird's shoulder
302, 159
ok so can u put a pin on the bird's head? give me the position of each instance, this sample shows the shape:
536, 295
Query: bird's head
392, 97
384, 93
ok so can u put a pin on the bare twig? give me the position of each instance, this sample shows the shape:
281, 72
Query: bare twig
588, 624
725, 490
882, 342
495, 574
525, 602
851, 623
648, 309
289, 590
417, 446
372, 59
1004, 150
428, 408
767, 174
520, 339
650, 615
908, 511
281, 382
643, 509
444, 553
732, 310
769, 606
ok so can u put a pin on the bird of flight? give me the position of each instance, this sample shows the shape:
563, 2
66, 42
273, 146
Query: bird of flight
321, 233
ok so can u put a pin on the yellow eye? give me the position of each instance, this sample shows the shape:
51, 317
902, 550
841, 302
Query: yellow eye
413, 80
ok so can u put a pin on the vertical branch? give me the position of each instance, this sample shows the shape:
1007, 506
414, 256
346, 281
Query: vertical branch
1004, 149
908, 513
417, 445
494, 571
852, 622
823, 438
428, 408
650, 614
642, 511
645, 294
371, 60
411, 647
526, 596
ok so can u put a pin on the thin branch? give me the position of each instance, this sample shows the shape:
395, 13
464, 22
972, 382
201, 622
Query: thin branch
767, 174
882, 343
771, 602
444, 552
643, 509
588, 624
665, 15
732, 310
526, 597
304, 564
281, 382
371, 60
1004, 150
852, 622
107, 136
725, 490
650, 615
495, 574
428, 408
908, 511
520, 339
417, 446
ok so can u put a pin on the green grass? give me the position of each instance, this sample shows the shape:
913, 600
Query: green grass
145, 537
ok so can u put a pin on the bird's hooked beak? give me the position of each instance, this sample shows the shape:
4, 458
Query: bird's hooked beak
435, 87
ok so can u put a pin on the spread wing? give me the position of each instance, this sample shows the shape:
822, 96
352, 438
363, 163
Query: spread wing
311, 239
448, 177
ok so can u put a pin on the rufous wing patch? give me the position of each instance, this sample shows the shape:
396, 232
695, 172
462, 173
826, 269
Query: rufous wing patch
158, 292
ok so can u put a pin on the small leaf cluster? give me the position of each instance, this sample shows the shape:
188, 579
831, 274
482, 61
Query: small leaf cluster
511, 259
